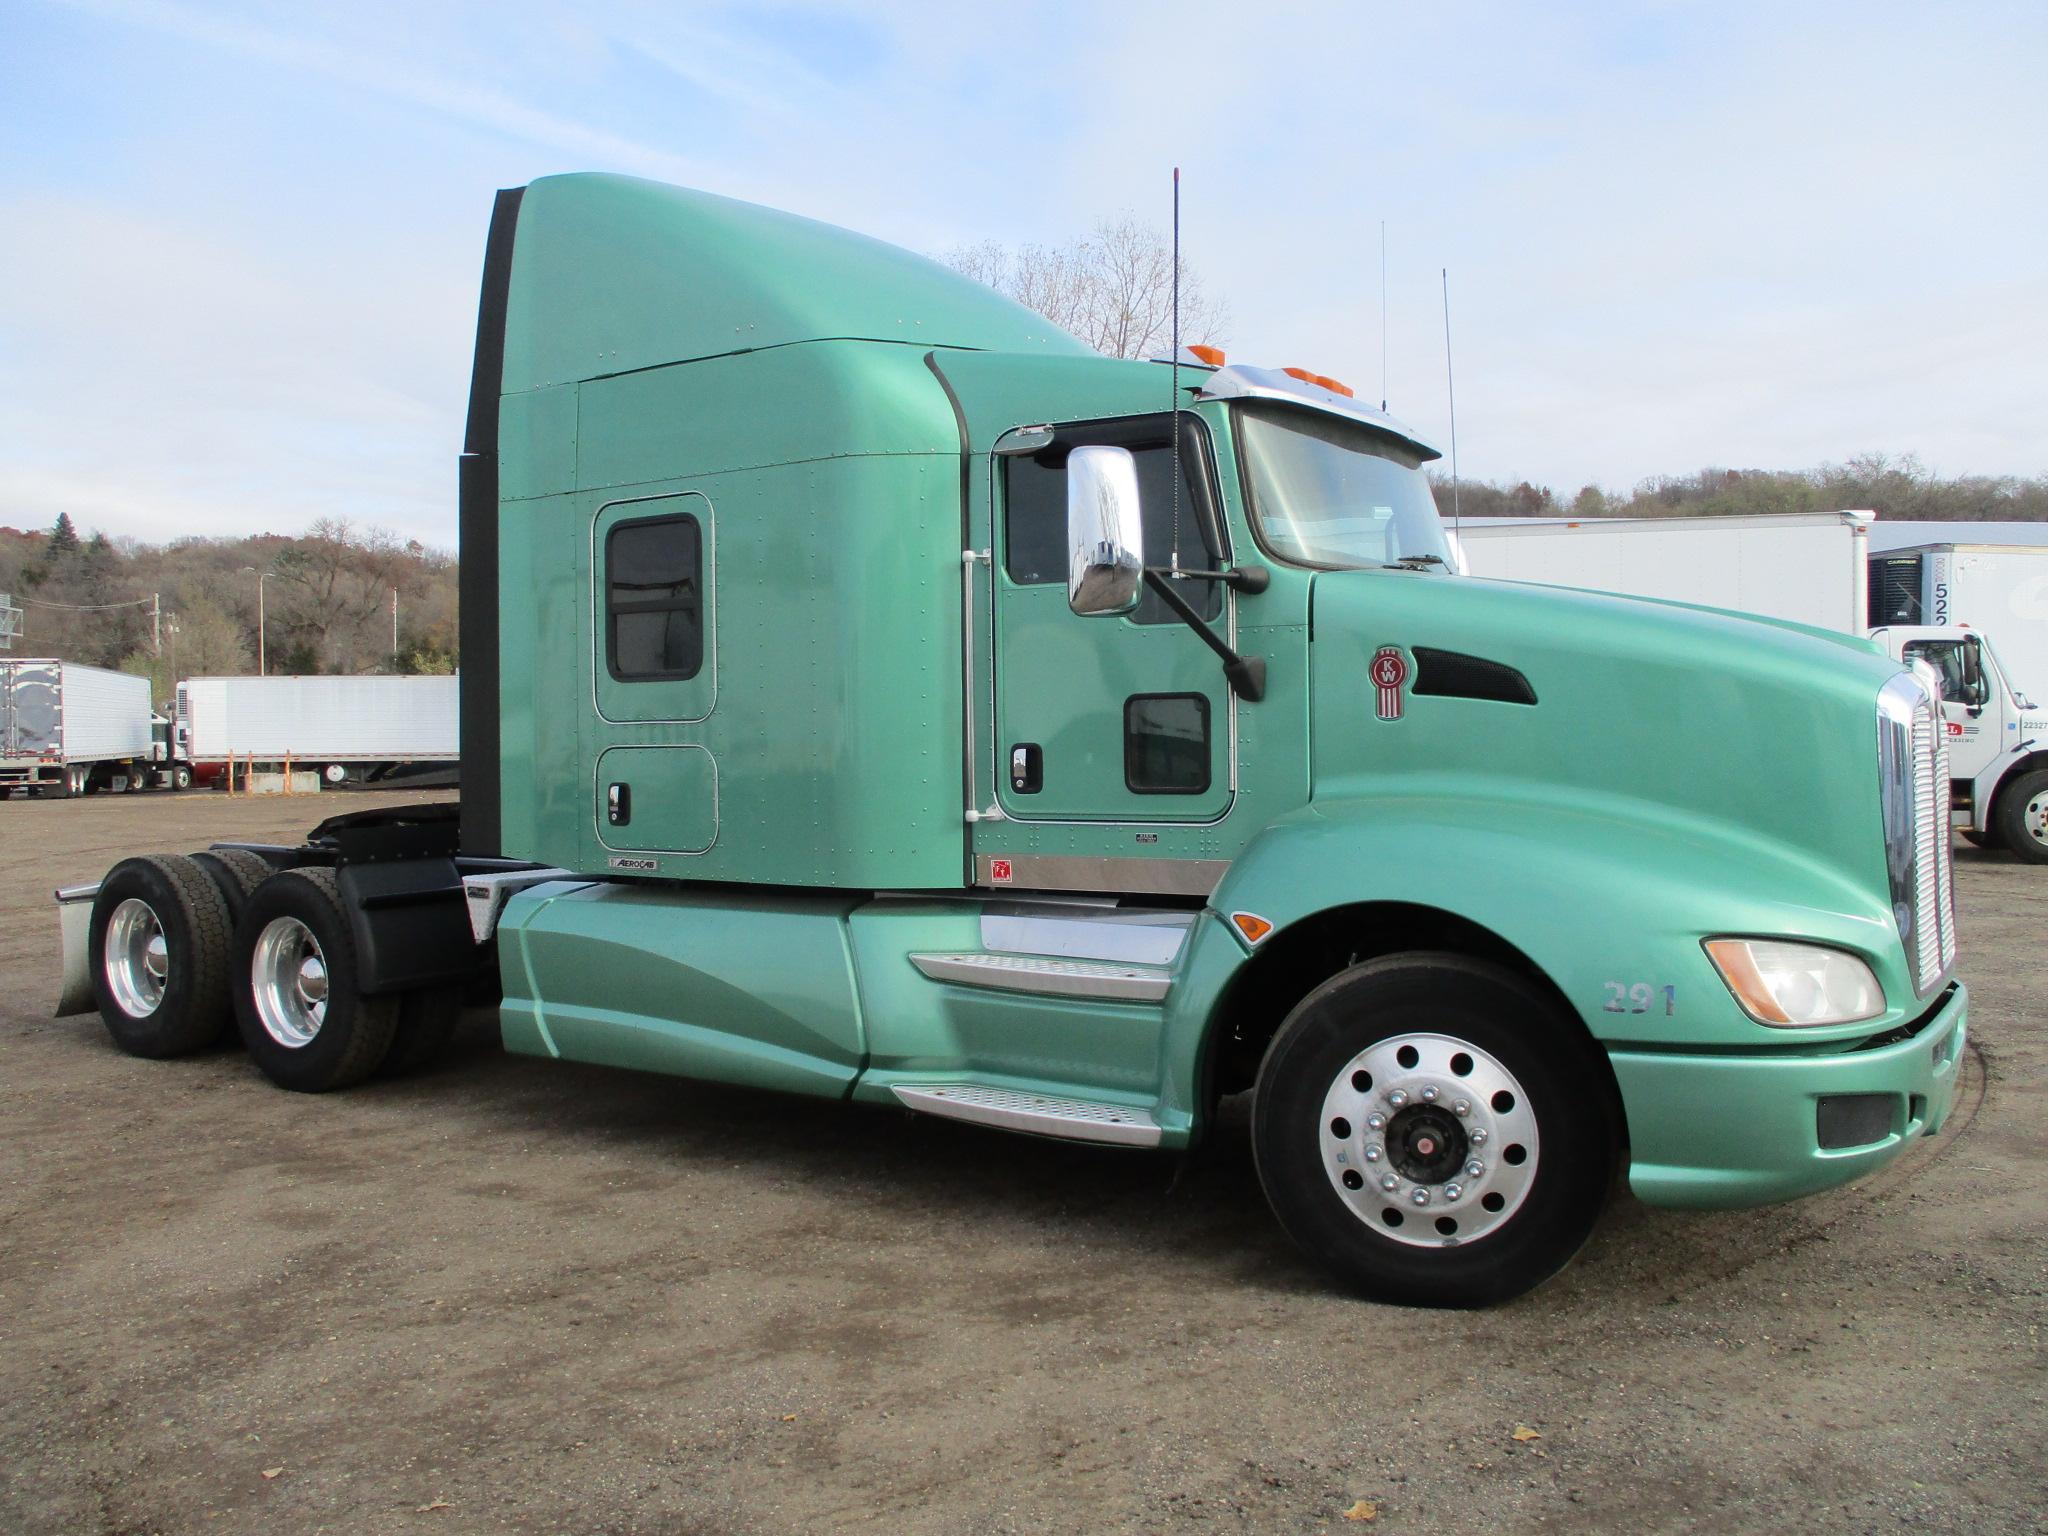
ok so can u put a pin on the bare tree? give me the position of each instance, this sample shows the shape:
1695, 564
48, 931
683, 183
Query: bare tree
1113, 288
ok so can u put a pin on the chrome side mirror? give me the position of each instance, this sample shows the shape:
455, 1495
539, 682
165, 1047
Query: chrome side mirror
1105, 538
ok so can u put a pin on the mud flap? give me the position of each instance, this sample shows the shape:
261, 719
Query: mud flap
74, 921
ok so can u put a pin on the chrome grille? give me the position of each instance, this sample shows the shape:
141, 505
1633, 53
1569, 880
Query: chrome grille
1913, 774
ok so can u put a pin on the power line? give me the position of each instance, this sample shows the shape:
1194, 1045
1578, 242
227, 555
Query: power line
133, 602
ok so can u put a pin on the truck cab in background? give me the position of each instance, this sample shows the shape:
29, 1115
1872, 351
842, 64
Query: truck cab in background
870, 692
1997, 737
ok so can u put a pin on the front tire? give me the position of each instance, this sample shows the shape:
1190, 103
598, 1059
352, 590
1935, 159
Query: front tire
159, 939
2022, 816
302, 1016
1435, 1131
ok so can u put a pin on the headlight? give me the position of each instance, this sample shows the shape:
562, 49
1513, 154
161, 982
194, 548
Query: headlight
1792, 985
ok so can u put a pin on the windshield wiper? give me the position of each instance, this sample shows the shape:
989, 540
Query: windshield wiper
1417, 562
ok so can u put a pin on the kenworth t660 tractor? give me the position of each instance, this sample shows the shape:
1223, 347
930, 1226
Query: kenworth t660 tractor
868, 691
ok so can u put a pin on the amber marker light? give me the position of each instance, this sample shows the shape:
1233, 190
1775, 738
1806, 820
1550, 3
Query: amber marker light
1732, 959
1213, 356
1321, 381
1251, 925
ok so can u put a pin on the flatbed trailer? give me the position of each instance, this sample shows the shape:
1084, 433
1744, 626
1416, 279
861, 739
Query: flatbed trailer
872, 693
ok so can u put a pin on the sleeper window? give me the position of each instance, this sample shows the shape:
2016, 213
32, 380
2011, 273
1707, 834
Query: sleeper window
654, 599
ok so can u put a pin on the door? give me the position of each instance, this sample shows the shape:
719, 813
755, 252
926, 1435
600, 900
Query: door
1972, 709
654, 676
1108, 719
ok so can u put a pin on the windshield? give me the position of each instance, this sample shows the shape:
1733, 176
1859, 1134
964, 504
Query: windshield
1335, 493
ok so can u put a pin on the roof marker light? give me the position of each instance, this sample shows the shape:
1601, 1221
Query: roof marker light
1321, 381
1213, 356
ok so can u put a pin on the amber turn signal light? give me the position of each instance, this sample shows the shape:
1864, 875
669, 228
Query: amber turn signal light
1252, 926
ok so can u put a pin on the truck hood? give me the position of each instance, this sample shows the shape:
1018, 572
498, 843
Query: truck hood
1688, 717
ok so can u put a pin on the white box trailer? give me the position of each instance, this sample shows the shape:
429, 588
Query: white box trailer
1809, 568
68, 729
1997, 589
345, 727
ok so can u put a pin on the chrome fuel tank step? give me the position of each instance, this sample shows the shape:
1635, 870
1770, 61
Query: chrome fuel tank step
1101, 979
1069, 949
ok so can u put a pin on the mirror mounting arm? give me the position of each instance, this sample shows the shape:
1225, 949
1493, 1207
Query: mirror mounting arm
1248, 579
1247, 674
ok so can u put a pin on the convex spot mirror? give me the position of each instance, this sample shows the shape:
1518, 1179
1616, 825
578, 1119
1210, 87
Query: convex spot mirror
1105, 537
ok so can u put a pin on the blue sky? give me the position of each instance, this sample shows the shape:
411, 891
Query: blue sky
239, 243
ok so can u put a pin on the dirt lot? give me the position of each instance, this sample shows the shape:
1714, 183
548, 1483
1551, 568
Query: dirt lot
511, 1296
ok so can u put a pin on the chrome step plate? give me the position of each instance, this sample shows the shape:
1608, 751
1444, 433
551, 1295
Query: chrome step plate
1100, 979
1038, 1114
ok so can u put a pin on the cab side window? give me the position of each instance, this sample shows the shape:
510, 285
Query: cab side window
1955, 663
1035, 512
654, 599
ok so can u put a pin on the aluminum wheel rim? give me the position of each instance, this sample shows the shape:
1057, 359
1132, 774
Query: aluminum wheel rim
289, 981
138, 958
1429, 1140
2035, 818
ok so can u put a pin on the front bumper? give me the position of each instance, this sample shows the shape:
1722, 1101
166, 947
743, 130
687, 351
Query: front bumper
1723, 1131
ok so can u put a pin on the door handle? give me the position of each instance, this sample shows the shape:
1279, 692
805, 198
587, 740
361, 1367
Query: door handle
1027, 768
618, 804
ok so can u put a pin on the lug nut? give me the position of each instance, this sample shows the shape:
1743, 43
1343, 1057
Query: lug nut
1398, 1097
1389, 1183
1372, 1152
1461, 1108
1429, 1095
1474, 1169
1453, 1191
1478, 1137
1420, 1197
1375, 1121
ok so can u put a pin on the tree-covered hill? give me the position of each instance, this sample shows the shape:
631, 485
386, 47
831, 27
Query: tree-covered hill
190, 607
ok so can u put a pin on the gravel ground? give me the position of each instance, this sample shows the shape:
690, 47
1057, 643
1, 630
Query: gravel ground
513, 1296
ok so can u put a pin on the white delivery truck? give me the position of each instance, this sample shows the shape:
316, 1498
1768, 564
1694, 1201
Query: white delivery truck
343, 728
1997, 737
1809, 568
67, 729
1996, 589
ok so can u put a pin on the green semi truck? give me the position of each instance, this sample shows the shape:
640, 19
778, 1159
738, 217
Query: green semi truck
871, 692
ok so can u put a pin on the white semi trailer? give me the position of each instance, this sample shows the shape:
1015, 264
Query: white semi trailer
67, 729
344, 728
1807, 568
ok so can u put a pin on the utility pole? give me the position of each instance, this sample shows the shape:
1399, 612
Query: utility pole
156, 623
394, 629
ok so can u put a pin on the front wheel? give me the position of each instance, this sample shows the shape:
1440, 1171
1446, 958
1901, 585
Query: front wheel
1435, 1131
2022, 816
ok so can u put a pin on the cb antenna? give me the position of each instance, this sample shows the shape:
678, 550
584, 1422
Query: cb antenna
1451, 381
1173, 554
1383, 314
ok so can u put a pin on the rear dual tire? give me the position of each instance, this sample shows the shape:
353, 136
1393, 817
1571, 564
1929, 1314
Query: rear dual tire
159, 947
301, 1014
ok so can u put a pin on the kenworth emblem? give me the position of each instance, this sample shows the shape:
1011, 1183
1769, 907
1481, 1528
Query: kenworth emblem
1389, 672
